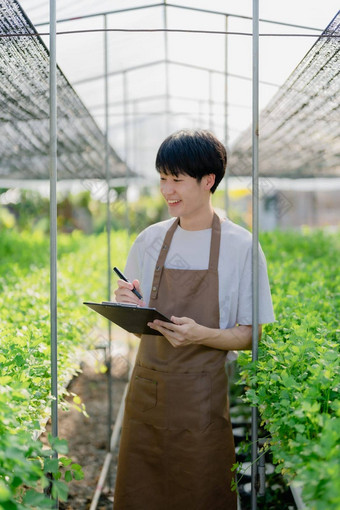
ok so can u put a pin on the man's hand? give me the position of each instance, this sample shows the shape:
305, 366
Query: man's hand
182, 331
124, 293
185, 331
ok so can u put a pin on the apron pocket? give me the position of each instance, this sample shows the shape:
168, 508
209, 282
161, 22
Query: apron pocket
143, 394
188, 401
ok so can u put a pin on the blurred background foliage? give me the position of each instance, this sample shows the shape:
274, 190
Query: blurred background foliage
29, 210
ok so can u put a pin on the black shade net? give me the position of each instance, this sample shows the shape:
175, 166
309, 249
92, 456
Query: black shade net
24, 111
300, 127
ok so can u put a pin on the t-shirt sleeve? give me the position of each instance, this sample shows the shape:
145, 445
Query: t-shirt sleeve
133, 267
244, 309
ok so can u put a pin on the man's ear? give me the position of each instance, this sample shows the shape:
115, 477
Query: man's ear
209, 181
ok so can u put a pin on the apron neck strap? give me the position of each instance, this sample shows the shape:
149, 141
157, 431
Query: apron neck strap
215, 243
166, 243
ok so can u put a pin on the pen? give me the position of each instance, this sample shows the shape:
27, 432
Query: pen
123, 277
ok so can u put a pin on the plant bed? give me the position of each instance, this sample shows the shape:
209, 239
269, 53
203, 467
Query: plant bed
278, 493
25, 379
296, 381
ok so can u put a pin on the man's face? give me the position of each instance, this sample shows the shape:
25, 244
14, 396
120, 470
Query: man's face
184, 195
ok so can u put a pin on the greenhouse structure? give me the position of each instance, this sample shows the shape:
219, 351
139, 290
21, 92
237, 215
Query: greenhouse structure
88, 93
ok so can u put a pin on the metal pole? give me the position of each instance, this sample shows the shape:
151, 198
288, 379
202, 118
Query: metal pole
255, 246
108, 223
126, 150
53, 217
226, 132
134, 136
53, 228
166, 54
210, 101
126, 121
197, 117
201, 114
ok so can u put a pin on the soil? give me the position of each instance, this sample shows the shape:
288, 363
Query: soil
88, 436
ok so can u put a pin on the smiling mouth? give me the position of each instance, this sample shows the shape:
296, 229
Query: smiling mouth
173, 202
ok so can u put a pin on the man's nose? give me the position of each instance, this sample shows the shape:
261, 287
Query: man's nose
167, 188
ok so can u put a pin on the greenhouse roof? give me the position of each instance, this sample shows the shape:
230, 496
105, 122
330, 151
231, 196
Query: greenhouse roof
162, 80
300, 127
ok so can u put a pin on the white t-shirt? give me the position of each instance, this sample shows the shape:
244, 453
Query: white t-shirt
190, 250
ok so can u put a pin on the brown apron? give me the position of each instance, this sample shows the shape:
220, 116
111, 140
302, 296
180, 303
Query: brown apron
177, 447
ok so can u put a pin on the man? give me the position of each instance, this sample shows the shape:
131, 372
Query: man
177, 447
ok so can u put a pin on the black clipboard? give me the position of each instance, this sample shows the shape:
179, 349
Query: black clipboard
130, 317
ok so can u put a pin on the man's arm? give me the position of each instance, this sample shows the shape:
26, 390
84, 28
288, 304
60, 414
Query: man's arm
232, 339
185, 331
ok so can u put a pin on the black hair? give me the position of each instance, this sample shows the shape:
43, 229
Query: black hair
193, 152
